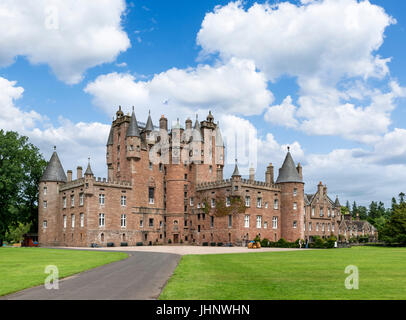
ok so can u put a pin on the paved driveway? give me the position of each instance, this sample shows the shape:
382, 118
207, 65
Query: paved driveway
141, 276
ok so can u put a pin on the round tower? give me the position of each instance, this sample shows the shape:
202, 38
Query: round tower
49, 218
292, 200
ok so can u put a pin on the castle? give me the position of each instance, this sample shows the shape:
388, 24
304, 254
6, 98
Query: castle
168, 187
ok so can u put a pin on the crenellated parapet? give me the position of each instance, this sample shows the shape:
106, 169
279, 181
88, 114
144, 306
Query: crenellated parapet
102, 182
244, 183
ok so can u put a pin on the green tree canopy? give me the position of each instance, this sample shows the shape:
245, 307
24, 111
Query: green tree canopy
394, 231
21, 167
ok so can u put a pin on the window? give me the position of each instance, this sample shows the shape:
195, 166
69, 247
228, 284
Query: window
123, 201
101, 220
228, 202
310, 226
247, 201
295, 192
160, 167
247, 221
230, 221
259, 221
321, 212
333, 227
151, 195
151, 222
212, 221
123, 221
101, 199
160, 224
45, 224
185, 176
275, 222
294, 206
73, 220
45, 191
64, 202
191, 201
294, 224
328, 227
82, 220
312, 211
210, 169
150, 165
213, 203
276, 204
259, 202
198, 205
64, 222
266, 205
45, 204
118, 166
333, 214
72, 201
328, 212
265, 225
81, 199
322, 227
317, 227
304, 226
235, 188
141, 223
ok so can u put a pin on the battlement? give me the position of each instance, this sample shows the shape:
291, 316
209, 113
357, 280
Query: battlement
96, 182
227, 183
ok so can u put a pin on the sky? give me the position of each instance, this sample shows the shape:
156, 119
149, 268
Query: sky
325, 77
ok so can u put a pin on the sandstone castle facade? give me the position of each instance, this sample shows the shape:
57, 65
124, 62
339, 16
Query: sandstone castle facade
168, 187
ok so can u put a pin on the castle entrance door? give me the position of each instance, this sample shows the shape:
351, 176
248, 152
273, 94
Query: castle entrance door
175, 238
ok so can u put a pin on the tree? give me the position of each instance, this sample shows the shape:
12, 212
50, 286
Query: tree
15, 234
401, 197
394, 231
354, 210
21, 167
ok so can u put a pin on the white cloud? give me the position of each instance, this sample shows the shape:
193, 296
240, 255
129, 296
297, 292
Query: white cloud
75, 141
69, 36
235, 87
283, 114
329, 38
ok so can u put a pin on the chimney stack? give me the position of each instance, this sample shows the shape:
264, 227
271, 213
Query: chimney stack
299, 170
269, 174
69, 175
79, 172
188, 124
252, 174
163, 123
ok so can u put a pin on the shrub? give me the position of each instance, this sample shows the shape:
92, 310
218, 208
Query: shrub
139, 244
205, 244
282, 243
124, 244
265, 243
169, 241
181, 241
213, 244
110, 244
219, 244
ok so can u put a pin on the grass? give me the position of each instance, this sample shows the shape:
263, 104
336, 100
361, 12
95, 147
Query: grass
294, 275
22, 268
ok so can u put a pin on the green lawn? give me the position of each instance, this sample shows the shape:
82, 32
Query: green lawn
307, 274
22, 268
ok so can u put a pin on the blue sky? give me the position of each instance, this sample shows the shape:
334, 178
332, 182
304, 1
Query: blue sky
64, 88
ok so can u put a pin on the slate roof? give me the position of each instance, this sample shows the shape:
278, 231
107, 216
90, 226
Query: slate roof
133, 129
236, 172
110, 139
288, 172
54, 171
89, 170
149, 126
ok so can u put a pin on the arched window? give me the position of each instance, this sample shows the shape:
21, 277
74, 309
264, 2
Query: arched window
102, 237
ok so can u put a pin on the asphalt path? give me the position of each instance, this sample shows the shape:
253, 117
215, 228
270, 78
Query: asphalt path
141, 276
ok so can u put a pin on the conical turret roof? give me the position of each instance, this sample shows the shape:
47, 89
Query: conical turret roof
236, 171
149, 126
54, 171
110, 139
88, 170
288, 172
133, 130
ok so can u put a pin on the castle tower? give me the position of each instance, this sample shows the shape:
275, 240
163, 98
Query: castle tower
49, 219
219, 153
109, 154
292, 200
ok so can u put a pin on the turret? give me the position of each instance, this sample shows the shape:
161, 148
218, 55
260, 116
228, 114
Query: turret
133, 139
292, 200
236, 181
49, 217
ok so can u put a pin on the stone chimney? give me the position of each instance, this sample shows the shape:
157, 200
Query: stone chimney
269, 174
252, 174
163, 123
320, 189
69, 175
188, 124
299, 170
79, 172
